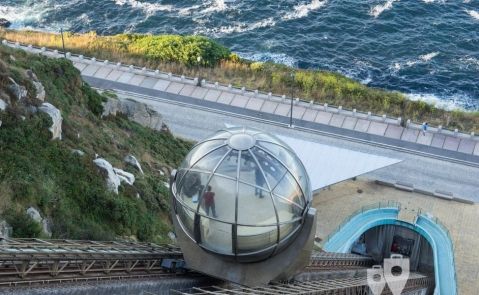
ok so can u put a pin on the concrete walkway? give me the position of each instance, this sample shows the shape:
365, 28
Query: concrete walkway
444, 266
362, 126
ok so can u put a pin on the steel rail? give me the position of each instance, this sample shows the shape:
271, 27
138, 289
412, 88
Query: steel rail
23, 261
346, 286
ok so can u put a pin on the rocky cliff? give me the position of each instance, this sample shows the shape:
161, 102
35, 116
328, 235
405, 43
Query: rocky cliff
76, 164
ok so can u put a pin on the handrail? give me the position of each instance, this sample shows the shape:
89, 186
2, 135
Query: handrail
443, 227
380, 205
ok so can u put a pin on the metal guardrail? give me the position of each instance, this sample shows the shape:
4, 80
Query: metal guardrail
248, 92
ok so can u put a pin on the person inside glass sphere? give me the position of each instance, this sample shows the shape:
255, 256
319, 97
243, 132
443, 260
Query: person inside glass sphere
209, 201
192, 186
259, 182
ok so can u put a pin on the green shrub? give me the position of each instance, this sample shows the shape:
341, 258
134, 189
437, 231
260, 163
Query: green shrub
68, 188
183, 49
23, 225
257, 66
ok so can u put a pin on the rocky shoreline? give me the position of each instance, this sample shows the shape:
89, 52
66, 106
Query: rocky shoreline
5, 23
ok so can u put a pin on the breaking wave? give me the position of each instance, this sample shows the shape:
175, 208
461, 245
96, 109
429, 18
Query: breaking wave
148, 8
454, 102
303, 10
380, 8
32, 11
474, 14
238, 28
422, 59
280, 58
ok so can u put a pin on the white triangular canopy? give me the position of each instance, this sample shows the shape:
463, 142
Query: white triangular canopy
327, 165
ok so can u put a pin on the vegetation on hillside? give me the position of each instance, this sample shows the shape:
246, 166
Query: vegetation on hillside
178, 54
66, 187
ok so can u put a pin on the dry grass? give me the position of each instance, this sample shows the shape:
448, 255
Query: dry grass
320, 86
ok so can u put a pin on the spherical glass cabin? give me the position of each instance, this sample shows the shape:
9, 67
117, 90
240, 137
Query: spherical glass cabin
241, 193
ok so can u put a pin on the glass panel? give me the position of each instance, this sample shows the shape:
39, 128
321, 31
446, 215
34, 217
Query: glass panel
291, 161
209, 162
255, 206
191, 188
250, 172
199, 151
287, 210
219, 199
187, 218
222, 134
252, 131
289, 189
179, 175
273, 170
273, 139
252, 239
280, 153
286, 229
236, 129
229, 166
216, 236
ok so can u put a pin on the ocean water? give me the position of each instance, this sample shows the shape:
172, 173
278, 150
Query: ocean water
428, 49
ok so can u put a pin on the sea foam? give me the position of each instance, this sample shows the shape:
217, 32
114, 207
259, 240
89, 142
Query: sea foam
279, 58
470, 62
380, 8
422, 59
474, 14
453, 102
215, 6
303, 10
429, 56
238, 28
148, 8
18, 15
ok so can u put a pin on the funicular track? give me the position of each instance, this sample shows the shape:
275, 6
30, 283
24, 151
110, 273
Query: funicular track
35, 261
324, 261
349, 286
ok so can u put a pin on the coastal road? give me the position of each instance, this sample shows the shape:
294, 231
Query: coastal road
439, 161
428, 173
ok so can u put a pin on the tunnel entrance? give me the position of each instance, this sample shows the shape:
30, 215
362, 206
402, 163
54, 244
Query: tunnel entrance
382, 241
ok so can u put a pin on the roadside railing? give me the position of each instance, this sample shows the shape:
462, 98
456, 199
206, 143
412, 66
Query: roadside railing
243, 91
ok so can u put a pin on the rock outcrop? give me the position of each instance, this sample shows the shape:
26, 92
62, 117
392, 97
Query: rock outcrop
5, 229
112, 180
35, 215
135, 111
19, 91
131, 160
46, 227
3, 105
40, 90
5, 23
114, 176
125, 176
78, 152
56, 115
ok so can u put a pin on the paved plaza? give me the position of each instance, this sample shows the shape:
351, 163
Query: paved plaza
337, 203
